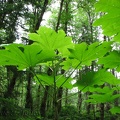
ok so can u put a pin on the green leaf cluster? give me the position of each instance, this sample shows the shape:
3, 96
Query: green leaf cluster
24, 56
49, 39
111, 61
83, 54
49, 80
110, 18
91, 79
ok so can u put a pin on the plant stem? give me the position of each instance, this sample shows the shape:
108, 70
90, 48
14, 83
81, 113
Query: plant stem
70, 75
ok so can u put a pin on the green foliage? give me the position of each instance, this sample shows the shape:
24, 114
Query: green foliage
70, 63
102, 98
46, 42
24, 56
115, 110
56, 47
90, 79
69, 113
49, 39
9, 109
49, 45
85, 54
110, 19
112, 60
49, 80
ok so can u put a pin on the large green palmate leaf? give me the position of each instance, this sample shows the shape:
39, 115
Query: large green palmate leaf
105, 89
49, 39
85, 54
49, 80
24, 56
90, 79
115, 110
103, 95
110, 20
71, 63
108, 6
111, 61
102, 98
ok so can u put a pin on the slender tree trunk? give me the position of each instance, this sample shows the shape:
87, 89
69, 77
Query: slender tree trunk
66, 97
43, 102
58, 105
29, 95
60, 90
89, 105
50, 100
12, 81
102, 111
38, 97
45, 97
79, 92
55, 105
11, 85
102, 108
59, 15
55, 91
29, 100
94, 112
59, 96
88, 108
41, 15
79, 101
91, 26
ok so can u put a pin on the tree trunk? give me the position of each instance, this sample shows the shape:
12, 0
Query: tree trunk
38, 97
43, 103
102, 111
79, 101
59, 96
41, 15
29, 100
66, 97
102, 108
58, 93
11, 85
88, 105
12, 80
59, 15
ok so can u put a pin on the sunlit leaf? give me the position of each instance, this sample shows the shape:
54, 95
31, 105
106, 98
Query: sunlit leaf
110, 18
70, 63
111, 61
115, 110
24, 56
88, 53
49, 39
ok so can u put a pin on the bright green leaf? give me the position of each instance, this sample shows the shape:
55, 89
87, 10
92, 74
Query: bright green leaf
70, 63
102, 98
88, 53
111, 61
110, 19
115, 110
24, 56
49, 39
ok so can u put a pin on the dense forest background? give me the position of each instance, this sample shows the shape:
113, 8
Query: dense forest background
59, 60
